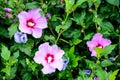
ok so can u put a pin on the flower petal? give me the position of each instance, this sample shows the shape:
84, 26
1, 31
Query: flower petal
37, 33
48, 70
97, 37
39, 57
41, 23
57, 64
105, 42
35, 13
58, 53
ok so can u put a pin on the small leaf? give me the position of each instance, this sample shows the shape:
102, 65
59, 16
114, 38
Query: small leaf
88, 36
5, 52
98, 51
71, 52
108, 49
106, 26
113, 2
16, 54
76, 41
79, 2
113, 75
68, 5
102, 74
32, 5
7, 70
106, 63
12, 29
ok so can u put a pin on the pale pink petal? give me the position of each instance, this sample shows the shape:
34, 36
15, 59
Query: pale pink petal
91, 45
39, 57
48, 70
41, 23
25, 29
97, 37
23, 16
94, 53
105, 42
44, 46
58, 63
35, 13
37, 33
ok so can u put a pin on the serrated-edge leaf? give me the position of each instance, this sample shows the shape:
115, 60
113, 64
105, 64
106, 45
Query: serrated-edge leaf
113, 75
5, 52
12, 29
106, 63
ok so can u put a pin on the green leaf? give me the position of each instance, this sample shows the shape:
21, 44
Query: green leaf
32, 5
72, 33
108, 49
7, 70
5, 53
11, 3
79, 2
101, 74
113, 75
102, 52
12, 29
76, 41
16, 54
88, 36
3, 30
106, 26
79, 17
63, 27
90, 64
71, 52
75, 61
98, 51
106, 63
67, 24
27, 48
68, 5
113, 2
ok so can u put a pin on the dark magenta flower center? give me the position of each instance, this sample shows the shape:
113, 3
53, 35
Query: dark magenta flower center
30, 23
49, 58
99, 46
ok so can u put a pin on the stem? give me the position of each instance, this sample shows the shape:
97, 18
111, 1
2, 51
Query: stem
119, 45
57, 38
64, 40
61, 31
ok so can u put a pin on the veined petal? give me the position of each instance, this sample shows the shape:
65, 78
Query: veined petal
23, 28
37, 33
35, 13
41, 23
39, 57
48, 70
58, 63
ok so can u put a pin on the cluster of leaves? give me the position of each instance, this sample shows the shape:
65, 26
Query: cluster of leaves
72, 23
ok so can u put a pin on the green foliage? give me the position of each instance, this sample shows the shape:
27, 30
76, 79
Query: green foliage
71, 24
113, 2
113, 75
12, 29
5, 53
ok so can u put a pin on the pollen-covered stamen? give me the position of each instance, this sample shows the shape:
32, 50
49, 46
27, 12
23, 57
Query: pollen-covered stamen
49, 58
30, 23
99, 46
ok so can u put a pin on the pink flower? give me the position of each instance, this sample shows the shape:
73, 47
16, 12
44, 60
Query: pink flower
50, 57
32, 22
7, 9
97, 41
